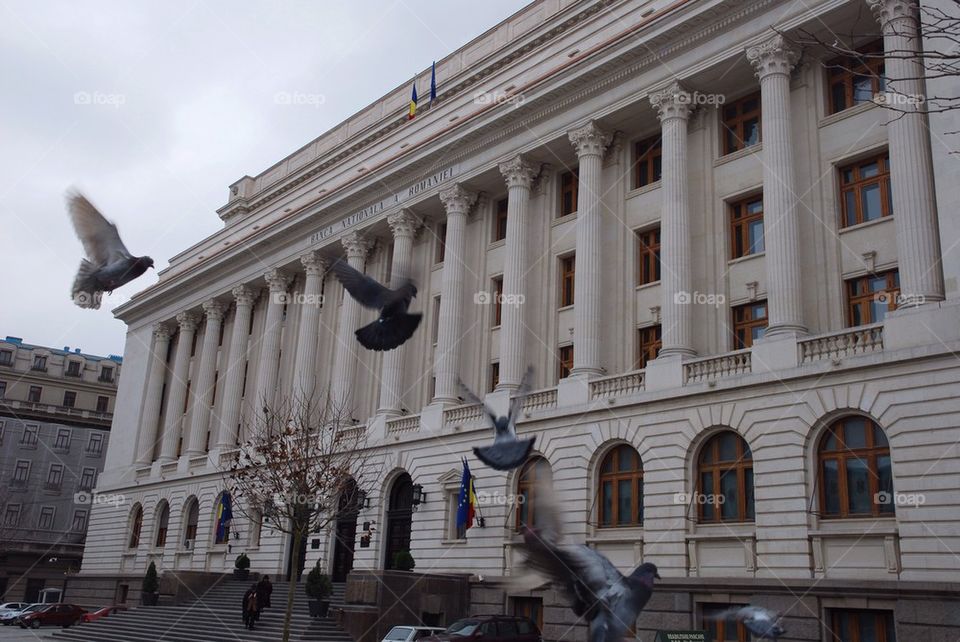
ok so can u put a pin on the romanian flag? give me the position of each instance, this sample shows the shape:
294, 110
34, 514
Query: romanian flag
224, 516
467, 504
433, 82
413, 102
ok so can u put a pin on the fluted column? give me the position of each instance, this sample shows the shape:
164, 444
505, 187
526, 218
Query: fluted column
265, 395
229, 419
345, 358
518, 174
590, 142
457, 200
673, 106
150, 419
202, 389
404, 225
773, 61
911, 162
177, 387
305, 366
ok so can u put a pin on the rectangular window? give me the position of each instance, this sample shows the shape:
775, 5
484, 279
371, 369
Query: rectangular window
531, 608
21, 473
721, 625
55, 476
45, 521
88, 478
40, 363
569, 190
3, 389
69, 399
453, 531
749, 324
565, 364
740, 124
865, 190
79, 523
3, 426
73, 368
647, 154
568, 265
856, 79
870, 297
62, 441
500, 220
648, 256
31, 433
6, 357
648, 345
33, 396
746, 227
494, 375
104, 402
441, 250
435, 330
11, 516
849, 625
497, 287
95, 445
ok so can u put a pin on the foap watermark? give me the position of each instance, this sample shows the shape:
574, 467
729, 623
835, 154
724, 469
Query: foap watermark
896, 99
89, 498
699, 98
88, 299
297, 298
299, 99
699, 298
485, 298
900, 299
485, 498
497, 98
701, 499
99, 99
899, 499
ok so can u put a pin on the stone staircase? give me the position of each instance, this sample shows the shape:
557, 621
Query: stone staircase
214, 617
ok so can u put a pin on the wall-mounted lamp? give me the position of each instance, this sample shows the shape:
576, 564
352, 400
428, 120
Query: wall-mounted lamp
363, 500
419, 497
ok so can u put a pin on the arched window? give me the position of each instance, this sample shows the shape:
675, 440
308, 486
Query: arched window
725, 480
855, 478
163, 521
221, 535
192, 514
620, 488
537, 469
136, 526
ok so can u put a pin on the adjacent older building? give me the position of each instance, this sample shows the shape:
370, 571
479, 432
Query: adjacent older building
732, 268
55, 412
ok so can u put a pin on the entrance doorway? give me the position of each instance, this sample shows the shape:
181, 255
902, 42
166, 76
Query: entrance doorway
399, 518
345, 538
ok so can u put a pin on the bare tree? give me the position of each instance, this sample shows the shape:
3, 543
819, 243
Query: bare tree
303, 460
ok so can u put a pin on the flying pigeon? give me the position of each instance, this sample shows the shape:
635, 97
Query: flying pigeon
394, 325
761, 622
108, 264
506, 452
597, 591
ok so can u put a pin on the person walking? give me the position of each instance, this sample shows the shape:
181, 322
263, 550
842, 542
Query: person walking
264, 591
250, 607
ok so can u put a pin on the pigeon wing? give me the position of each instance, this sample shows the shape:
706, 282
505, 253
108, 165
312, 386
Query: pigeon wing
517, 400
367, 291
100, 238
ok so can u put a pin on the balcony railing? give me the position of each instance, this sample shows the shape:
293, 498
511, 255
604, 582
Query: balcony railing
401, 425
712, 368
53, 409
846, 343
617, 385
540, 400
463, 414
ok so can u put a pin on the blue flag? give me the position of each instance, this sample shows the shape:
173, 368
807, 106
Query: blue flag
433, 82
224, 516
467, 500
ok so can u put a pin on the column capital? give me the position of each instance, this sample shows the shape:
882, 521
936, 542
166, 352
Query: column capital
590, 139
188, 321
886, 11
357, 245
543, 178
313, 263
278, 280
243, 295
162, 331
519, 172
404, 223
457, 199
773, 56
672, 102
214, 310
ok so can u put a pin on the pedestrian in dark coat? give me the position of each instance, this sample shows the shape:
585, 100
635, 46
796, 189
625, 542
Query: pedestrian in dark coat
250, 607
264, 590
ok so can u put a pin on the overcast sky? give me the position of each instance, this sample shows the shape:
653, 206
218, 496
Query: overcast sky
154, 108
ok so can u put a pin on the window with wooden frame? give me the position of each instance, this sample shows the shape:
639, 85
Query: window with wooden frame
740, 123
534, 470
620, 488
647, 166
649, 342
34, 394
565, 362
725, 480
870, 297
136, 526
648, 256
855, 475
193, 518
721, 624
569, 190
848, 625
749, 324
530, 608
568, 269
865, 190
746, 227
500, 220
497, 283
856, 79
494, 376
441, 241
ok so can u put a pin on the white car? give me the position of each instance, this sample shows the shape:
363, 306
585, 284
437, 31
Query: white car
9, 614
411, 633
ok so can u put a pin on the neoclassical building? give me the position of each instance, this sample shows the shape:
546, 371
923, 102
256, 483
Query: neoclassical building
732, 266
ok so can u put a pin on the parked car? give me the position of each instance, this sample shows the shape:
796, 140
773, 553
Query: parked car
12, 606
103, 612
411, 633
490, 628
51, 614
9, 617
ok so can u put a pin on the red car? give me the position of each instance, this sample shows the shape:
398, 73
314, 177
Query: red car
52, 614
103, 612
489, 628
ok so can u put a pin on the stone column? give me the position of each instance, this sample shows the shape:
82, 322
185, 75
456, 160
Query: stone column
773, 61
150, 419
229, 420
266, 390
673, 106
348, 349
457, 200
177, 388
590, 142
305, 366
911, 162
202, 389
519, 175
404, 225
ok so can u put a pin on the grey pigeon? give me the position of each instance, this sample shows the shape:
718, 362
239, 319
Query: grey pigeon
507, 452
394, 325
761, 622
108, 264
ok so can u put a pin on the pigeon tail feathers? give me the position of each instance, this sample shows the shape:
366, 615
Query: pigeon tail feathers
85, 291
505, 454
387, 334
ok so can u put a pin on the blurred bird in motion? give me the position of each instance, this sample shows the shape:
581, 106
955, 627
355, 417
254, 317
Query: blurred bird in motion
109, 264
506, 452
394, 325
762, 623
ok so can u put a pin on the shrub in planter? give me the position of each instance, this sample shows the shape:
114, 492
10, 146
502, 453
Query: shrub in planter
241, 567
403, 561
151, 584
318, 588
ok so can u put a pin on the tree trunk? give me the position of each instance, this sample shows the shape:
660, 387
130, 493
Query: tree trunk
292, 584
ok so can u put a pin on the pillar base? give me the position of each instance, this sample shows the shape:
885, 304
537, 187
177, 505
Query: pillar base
775, 353
785, 330
676, 351
664, 372
930, 324
586, 372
